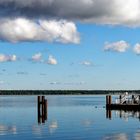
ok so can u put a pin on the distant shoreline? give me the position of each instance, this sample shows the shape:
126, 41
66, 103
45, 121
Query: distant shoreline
66, 92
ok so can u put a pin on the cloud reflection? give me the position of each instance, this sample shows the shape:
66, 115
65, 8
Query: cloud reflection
121, 136
87, 123
53, 126
137, 135
5, 130
36, 130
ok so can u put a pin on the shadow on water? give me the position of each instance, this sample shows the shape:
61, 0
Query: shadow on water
42, 109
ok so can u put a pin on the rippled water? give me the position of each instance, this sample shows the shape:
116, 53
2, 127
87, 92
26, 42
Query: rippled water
68, 118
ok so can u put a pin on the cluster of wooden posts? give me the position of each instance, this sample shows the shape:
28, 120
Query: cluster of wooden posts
42, 109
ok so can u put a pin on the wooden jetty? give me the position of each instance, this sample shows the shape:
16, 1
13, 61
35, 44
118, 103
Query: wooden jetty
42, 109
124, 102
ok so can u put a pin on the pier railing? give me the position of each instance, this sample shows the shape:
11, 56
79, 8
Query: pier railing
128, 99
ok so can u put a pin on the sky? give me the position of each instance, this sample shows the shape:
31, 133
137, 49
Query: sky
68, 44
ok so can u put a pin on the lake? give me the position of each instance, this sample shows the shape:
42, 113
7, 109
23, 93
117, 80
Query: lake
68, 118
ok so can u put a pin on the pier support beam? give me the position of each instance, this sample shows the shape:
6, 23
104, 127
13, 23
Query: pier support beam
42, 109
108, 100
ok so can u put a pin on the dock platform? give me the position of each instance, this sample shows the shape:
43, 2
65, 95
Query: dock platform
124, 102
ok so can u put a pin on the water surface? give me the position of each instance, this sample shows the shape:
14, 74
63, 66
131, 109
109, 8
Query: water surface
68, 118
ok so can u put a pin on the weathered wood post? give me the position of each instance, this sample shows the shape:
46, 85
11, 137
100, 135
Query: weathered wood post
133, 99
39, 113
46, 109
110, 99
107, 102
42, 109
120, 99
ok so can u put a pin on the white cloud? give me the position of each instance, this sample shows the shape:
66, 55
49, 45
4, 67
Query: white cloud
7, 58
87, 63
51, 60
120, 46
21, 29
37, 57
61, 31
137, 49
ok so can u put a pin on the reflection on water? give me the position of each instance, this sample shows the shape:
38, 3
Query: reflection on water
125, 114
4, 130
67, 118
121, 136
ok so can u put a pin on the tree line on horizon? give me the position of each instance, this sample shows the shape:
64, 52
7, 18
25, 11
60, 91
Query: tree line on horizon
66, 92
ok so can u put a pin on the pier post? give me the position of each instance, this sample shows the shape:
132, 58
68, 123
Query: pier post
46, 111
133, 99
110, 99
107, 102
42, 109
120, 99
39, 113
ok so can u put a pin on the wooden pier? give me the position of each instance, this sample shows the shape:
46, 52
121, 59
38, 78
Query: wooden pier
42, 109
124, 102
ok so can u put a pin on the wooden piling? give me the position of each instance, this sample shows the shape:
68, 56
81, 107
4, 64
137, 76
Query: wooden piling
39, 113
110, 99
107, 100
46, 111
120, 98
42, 109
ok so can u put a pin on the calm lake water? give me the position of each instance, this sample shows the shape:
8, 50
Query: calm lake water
68, 118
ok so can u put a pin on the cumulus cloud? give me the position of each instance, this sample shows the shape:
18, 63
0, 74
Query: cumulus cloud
7, 58
25, 30
114, 12
137, 49
120, 46
51, 60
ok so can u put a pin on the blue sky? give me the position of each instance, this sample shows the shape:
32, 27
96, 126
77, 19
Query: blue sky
94, 53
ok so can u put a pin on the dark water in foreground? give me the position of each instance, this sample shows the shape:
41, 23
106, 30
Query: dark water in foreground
69, 118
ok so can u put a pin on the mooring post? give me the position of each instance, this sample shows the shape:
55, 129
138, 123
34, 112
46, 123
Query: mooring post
43, 108
46, 111
133, 99
107, 100
110, 100
120, 99
39, 109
